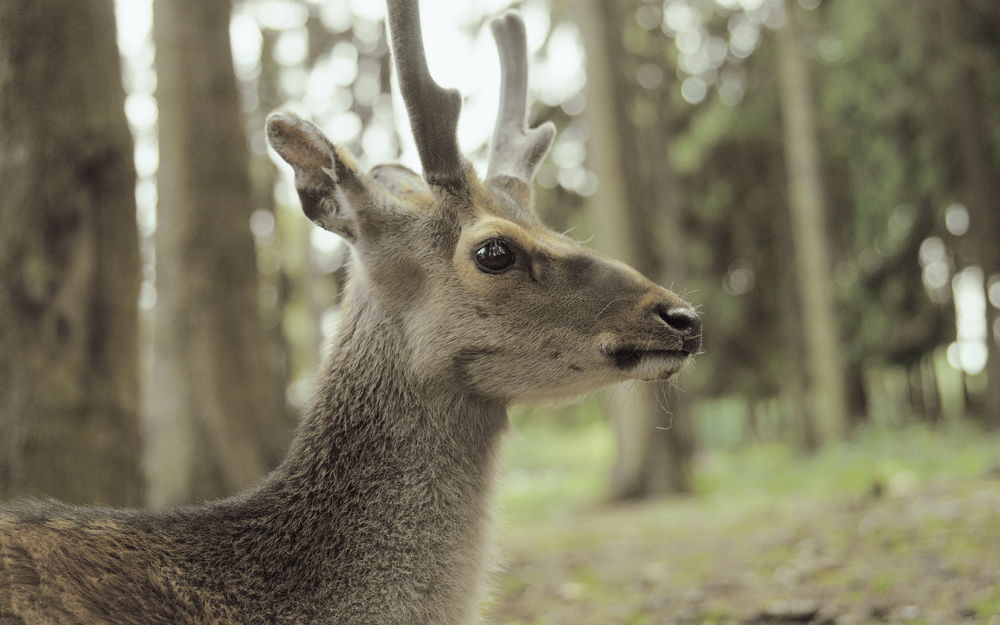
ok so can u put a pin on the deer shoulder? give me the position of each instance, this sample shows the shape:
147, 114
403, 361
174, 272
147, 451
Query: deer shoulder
66, 565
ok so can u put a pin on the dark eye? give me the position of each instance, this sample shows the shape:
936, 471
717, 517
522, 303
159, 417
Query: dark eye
494, 256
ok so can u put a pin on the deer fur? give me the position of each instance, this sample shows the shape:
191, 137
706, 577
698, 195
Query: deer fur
380, 513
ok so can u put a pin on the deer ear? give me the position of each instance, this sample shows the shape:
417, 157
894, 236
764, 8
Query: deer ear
326, 177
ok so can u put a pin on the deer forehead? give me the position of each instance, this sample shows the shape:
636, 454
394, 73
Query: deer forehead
538, 239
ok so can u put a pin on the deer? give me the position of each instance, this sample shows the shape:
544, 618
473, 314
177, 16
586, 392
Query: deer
460, 303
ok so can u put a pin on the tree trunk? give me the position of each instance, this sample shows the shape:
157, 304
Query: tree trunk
806, 203
650, 461
214, 404
655, 448
932, 396
69, 258
857, 396
915, 392
980, 188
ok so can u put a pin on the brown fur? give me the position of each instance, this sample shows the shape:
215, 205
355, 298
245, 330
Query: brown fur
380, 514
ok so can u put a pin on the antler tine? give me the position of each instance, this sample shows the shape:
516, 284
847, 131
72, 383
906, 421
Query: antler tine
433, 111
517, 150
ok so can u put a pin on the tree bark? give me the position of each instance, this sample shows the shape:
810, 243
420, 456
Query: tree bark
808, 219
655, 447
69, 258
214, 404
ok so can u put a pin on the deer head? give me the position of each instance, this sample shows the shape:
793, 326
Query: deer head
481, 294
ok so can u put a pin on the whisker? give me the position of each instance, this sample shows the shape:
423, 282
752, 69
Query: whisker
663, 403
676, 382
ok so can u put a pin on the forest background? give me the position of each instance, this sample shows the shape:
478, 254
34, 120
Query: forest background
819, 176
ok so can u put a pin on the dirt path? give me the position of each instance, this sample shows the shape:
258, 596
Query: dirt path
927, 556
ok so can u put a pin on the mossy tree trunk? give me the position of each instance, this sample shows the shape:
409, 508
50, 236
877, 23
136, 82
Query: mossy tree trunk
69, 258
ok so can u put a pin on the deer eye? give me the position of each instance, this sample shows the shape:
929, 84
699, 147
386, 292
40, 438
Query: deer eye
494, 255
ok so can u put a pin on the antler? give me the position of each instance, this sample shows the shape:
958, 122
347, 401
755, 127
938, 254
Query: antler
433, 111
517, 150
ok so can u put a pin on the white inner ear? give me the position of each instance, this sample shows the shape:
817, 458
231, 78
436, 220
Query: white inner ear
337, 215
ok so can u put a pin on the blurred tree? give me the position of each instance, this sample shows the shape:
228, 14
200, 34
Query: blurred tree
967, 48
885, 148
637, 190
882, 144
69, 258
214, 403
897, 175
259, 96
808, 218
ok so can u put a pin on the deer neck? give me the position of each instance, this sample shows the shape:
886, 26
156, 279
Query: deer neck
391, 479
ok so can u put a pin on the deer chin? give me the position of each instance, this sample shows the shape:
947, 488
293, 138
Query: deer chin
660, 366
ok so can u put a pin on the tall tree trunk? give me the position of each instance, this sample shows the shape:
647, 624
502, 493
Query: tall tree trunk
802, 423
69, 258
655, 447
980, 187
806, 203
214, 405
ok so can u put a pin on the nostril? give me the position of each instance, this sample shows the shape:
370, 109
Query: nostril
681, 319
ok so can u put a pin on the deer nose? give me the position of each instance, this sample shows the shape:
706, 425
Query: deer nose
681, 319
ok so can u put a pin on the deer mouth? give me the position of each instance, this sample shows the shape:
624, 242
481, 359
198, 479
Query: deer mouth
627, 358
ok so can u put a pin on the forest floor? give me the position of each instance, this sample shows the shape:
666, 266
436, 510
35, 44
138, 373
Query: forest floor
813, 543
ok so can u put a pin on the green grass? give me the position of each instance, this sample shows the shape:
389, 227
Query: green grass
558, 463
988, 606
895, 526
893, 460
